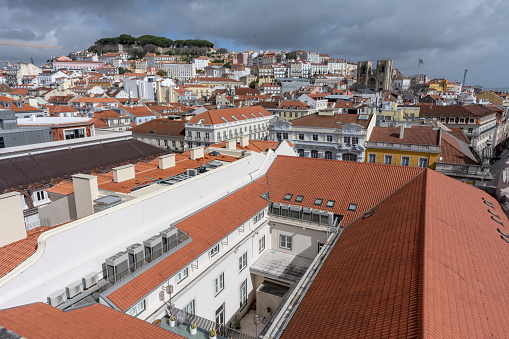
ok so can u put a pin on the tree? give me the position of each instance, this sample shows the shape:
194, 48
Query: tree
122, 70
222, 50
252, 84
162, 73
228, 65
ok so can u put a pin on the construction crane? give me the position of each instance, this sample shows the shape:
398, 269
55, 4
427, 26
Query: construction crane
465, 77
27, 44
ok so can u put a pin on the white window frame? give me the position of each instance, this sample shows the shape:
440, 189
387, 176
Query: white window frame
137, 309
330, 138
388, 156
261, 244
285, 242
191, 307
370, 155
242, 262
182, 275
405, 157
219, 284
243, 294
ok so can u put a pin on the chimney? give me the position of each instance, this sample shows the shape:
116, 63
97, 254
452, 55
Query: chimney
231, 144
401, 131
197, 153
123, 173
85, 192
167, 161
244, 141
12, 222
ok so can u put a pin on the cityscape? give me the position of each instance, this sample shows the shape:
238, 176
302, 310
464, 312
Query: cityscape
195, 186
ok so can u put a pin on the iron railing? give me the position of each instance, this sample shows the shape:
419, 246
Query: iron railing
183, 317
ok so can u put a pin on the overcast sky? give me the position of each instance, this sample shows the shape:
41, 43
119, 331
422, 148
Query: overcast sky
450, 36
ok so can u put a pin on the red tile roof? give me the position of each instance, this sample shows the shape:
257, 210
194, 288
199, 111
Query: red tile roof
161, 127
428, 263
42, 321
139, 111
416, 135
214, 117
434, 111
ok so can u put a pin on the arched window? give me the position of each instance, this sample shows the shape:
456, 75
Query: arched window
314, 154
328, 155
300, 152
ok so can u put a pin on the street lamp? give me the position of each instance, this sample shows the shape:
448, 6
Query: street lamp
256, 320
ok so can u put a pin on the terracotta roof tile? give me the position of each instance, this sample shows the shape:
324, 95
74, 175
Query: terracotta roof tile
161, 127
416, 135
40, 320
214, 117
330, 121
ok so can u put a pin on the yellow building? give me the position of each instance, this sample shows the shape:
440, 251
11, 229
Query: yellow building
400, 113
417, 146
494, 98
103, 83
441, 85
199, 90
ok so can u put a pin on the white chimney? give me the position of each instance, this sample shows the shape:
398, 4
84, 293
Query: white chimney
244, 141
401, 131
12, 222
123, 173
231, 144
85, 192
167, 161
197, 153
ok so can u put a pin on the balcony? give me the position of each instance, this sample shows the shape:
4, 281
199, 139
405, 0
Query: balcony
305, 216
465, 171
403, 147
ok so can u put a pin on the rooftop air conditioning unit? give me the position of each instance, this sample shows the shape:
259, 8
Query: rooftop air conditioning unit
89, 280
295, 212
74, 289
116, 267
326, 218
276, 208
170, 239
215, 163
57, 298
306, 213
136, 256
285, 210
153, 248
192, 172
106, 202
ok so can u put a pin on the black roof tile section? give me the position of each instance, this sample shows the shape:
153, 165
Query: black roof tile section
19, 172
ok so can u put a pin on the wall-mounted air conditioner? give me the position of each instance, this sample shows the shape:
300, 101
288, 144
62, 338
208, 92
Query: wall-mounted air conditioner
90, 280
57, 298
153, 248
74, 289
136, 256
117, 267
169, 237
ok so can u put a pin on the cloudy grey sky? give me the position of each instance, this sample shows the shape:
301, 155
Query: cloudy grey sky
448, 35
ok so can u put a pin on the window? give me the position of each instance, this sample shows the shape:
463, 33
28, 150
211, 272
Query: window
219, 284
423, 162
137, 309
355, 140
452, 120
352, 207
315, 137
261, 244
74, 133
471, 121
182, 275
461, 120
318, 201
320, 246
329, 138
243, 294
207, 135
442, 119
346, 140
258, 217
40, 195
220, 317
190, 308
198, 134
285, 242
300, 152
242, 262
278, 136
299, 198
288, 196
301, 136
173, 144
470, 130
405, 161
214, 250
372, 158
190, 134
314, 154
328, 155
285, 136
330, 203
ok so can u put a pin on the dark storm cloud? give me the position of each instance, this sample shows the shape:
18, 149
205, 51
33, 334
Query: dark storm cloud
448, 35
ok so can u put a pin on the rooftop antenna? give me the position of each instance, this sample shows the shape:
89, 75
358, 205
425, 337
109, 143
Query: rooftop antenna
465, 77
